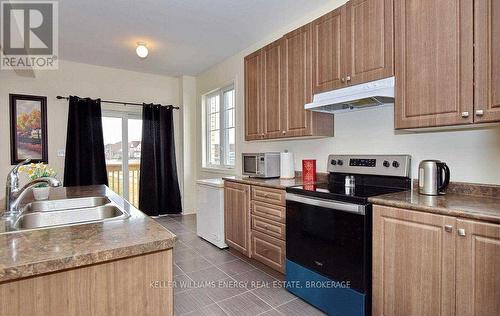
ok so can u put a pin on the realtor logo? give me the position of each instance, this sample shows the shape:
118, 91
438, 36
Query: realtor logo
29, 35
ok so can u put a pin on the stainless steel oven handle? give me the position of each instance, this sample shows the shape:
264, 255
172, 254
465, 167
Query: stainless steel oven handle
334, 205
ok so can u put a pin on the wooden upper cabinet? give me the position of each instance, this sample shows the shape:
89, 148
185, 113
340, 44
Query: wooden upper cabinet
298, 81
487, 61
273, 94
237, 216
369, 41
297, 77
478, 268
413, 263
433, 63
253, 88
328, 36
278, 83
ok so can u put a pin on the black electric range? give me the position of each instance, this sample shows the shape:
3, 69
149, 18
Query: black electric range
329, 230
365, 186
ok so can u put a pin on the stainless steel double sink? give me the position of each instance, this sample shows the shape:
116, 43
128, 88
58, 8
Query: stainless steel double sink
45, 214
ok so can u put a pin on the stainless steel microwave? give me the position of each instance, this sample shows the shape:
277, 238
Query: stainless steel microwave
261, 165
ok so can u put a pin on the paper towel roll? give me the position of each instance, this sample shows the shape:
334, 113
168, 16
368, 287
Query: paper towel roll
287, 165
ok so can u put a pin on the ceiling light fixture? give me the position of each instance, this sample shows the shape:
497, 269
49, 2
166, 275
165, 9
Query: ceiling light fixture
142, 50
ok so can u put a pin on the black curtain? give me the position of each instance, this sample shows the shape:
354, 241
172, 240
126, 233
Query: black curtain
85, 162
159, 186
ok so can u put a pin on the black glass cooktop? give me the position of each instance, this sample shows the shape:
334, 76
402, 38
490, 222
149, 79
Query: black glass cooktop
356, 194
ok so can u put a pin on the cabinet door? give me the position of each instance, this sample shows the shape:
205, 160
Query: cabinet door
487, 61
328, 43
272, 97
370, 40
413, 263
269, 250
253, 90
298, 82
433, 63
237, 216
478, 268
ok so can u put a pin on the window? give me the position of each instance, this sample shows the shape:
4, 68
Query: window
220, 128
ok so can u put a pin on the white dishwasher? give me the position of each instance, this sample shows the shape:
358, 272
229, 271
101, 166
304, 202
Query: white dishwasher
210, 211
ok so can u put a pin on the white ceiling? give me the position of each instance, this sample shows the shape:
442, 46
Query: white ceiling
185, 37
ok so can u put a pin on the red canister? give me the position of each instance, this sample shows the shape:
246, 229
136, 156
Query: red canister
309, 170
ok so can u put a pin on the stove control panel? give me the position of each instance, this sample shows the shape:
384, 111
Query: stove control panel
386, 165
356, 162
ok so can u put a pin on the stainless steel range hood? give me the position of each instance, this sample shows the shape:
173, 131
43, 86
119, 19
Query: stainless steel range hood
358, 97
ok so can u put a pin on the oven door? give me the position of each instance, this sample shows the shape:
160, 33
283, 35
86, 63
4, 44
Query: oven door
331, 238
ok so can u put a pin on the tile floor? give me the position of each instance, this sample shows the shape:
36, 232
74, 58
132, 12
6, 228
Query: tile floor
210, 281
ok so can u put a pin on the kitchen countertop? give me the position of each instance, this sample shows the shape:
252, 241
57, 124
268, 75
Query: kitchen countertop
479, 207
485, 208
216, 182
29, 253
276, 183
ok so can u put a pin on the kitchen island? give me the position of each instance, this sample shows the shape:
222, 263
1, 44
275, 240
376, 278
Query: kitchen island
118, 267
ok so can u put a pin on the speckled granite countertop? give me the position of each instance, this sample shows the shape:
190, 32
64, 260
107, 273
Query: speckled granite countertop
270, 183
486, 208
29, 253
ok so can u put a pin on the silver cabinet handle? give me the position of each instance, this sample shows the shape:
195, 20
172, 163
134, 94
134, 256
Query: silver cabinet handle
283, 132
465, 114
342, 79
348, 78
448, 228
461, 232
480, 112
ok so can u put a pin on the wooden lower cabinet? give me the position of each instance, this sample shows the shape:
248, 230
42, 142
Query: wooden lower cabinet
429, 264
269, 227
237, 216
255, 223
269, 211
413, 263
478, 269
268, 195
132, 286
268, 250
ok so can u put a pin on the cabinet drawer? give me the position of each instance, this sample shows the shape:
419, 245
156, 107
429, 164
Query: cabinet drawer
268, 195
268, 250
235, 185
268, 227
269, 211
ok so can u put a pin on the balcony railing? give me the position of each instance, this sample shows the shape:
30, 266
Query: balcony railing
115, 179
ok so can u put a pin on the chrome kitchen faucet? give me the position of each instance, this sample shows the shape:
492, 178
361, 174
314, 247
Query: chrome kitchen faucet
14, 194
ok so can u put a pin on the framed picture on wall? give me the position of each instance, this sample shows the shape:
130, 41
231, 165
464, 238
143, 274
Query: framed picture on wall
28, 128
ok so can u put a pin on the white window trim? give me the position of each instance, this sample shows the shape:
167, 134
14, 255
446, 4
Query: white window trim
206, 166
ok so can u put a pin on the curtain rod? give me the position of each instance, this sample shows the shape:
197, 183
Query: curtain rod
118, 102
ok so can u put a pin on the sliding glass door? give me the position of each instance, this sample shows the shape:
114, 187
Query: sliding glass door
122, 145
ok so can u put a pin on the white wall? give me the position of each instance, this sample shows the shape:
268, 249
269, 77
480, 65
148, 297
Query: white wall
473, 155
187, 93
85, 81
